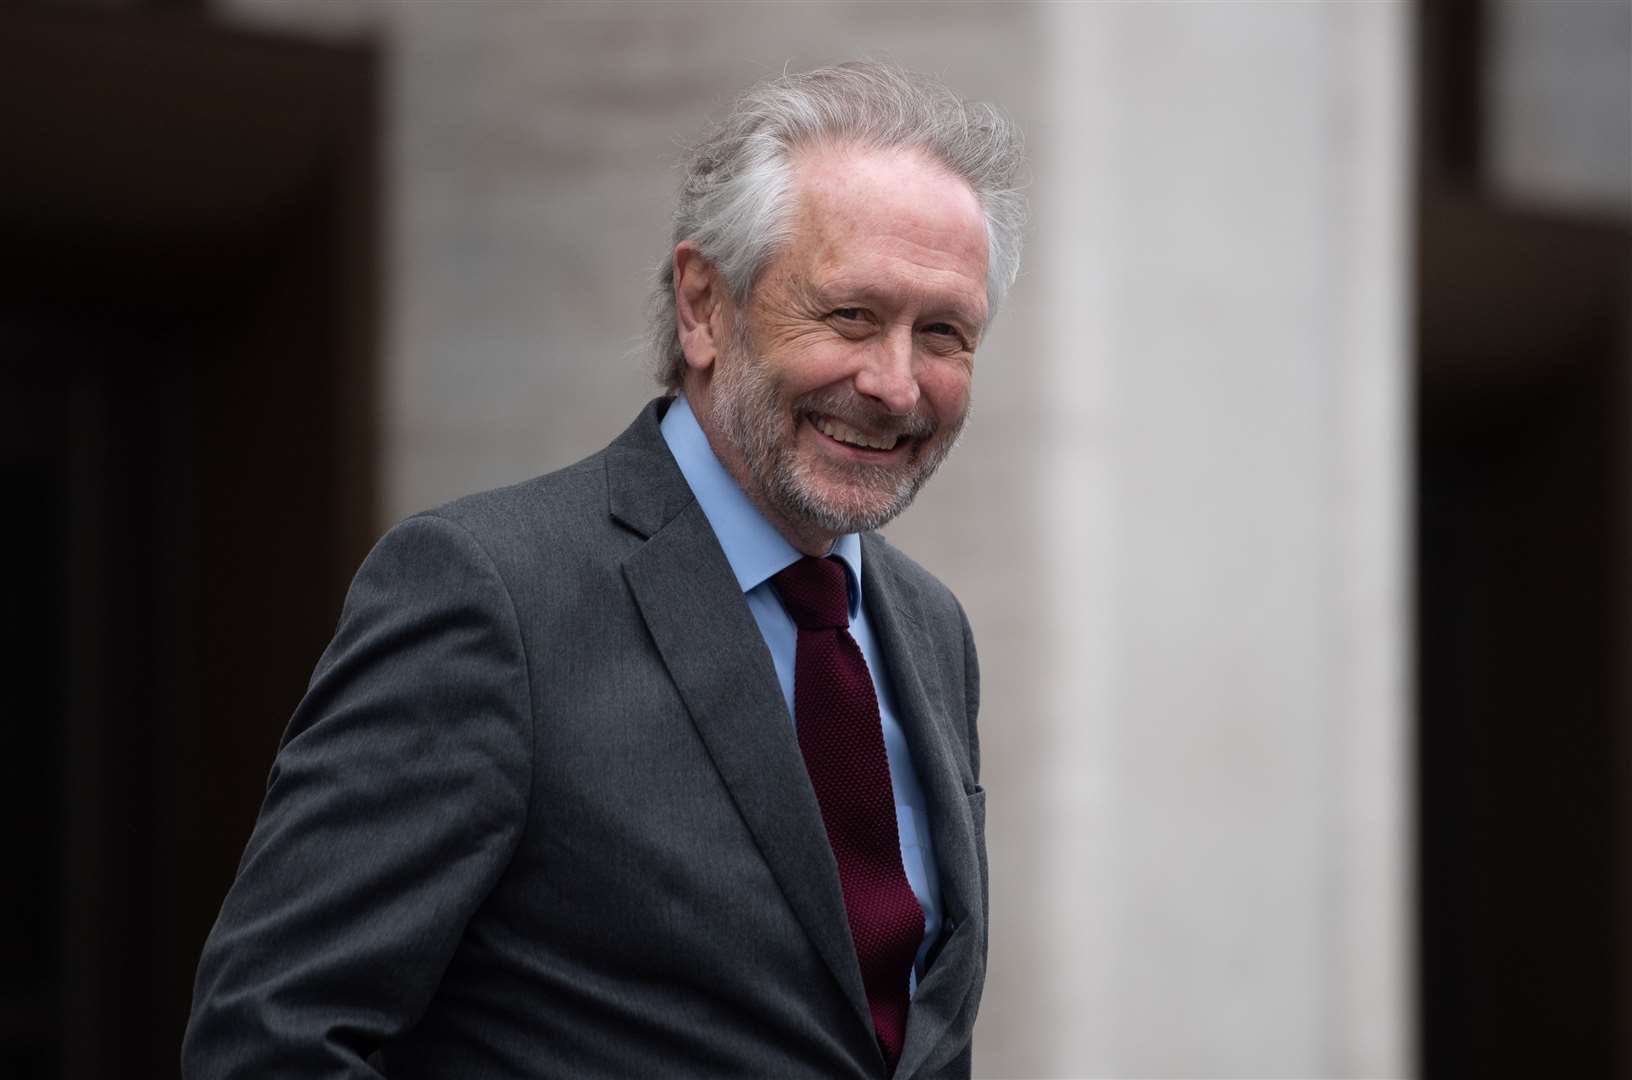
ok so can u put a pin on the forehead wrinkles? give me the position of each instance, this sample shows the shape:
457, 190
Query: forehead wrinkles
891, 252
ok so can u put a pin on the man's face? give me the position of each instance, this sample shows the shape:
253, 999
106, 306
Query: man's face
845, 380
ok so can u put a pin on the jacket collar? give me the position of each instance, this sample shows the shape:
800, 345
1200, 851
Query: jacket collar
904, 636
695, 612
645, 488
692, 604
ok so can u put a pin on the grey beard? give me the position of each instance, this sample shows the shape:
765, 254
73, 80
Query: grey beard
745, 410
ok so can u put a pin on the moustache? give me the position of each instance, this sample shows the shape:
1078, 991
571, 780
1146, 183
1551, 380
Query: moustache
858, 412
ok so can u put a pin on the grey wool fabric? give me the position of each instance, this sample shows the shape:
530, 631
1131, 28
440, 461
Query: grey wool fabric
541, 813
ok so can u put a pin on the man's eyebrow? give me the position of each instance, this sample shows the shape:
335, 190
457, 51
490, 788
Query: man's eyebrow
840, 294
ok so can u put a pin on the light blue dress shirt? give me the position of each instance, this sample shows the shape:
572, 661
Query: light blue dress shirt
756, 551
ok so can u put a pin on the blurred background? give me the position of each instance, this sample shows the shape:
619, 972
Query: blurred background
1293, 521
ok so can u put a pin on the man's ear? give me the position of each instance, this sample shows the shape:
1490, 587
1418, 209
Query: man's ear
700, 307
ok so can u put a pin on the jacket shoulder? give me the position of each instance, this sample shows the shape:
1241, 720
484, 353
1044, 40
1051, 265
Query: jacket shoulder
569, 511
550, 513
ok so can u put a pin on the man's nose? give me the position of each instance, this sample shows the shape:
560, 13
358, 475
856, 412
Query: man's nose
888, 375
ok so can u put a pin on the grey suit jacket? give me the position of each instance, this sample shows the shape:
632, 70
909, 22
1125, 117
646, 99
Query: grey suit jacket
542, 813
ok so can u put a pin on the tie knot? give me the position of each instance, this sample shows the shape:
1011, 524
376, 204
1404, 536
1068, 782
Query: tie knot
815, 593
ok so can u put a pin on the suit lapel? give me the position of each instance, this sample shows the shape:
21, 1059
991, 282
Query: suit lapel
694, 609
893, 610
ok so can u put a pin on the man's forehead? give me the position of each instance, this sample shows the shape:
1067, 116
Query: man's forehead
862, 213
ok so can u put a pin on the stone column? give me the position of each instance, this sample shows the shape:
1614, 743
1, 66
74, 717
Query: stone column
1222, 250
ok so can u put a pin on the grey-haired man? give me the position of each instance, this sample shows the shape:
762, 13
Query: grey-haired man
666, 764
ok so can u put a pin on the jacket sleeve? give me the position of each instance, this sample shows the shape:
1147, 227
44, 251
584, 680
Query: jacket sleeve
398, 795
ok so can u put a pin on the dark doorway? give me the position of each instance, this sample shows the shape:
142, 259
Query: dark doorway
1524, 602
187, 333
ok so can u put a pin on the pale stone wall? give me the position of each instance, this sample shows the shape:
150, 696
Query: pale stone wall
1224, 473
1176, 521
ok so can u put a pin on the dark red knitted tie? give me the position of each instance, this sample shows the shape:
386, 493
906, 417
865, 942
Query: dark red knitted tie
842, 740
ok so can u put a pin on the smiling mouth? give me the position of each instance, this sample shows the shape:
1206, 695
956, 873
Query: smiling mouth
844, 433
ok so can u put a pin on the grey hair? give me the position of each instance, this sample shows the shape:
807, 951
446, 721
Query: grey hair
736, 196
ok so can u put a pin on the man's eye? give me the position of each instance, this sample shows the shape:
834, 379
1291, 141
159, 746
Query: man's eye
850, 314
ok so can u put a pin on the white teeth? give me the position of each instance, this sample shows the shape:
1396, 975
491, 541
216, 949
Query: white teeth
846, 434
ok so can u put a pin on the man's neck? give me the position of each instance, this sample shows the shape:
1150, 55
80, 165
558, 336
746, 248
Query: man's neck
806, 539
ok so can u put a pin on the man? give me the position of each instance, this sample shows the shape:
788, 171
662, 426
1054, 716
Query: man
666, 764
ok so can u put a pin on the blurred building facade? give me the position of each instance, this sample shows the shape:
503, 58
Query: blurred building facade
1177, 520
1182, 520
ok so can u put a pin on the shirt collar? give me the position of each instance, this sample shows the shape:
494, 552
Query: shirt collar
753, 547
